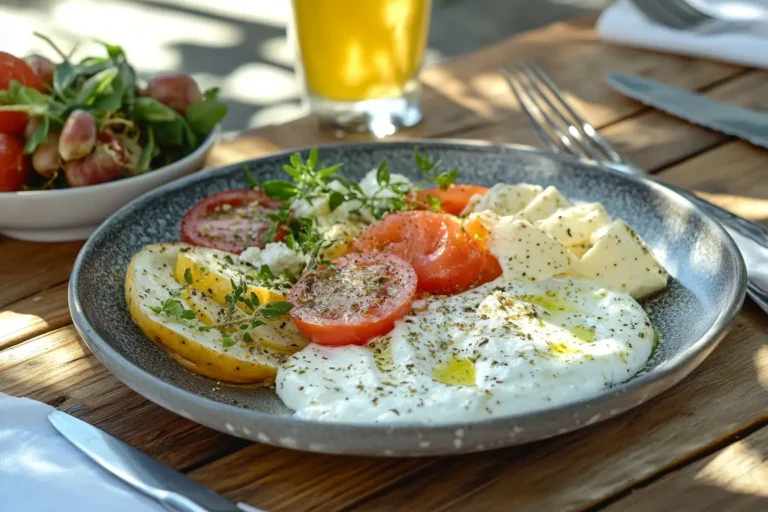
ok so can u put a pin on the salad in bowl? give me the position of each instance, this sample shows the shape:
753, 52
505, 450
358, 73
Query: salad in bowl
74, 125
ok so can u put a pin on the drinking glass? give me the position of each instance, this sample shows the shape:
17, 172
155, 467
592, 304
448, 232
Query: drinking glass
359, 60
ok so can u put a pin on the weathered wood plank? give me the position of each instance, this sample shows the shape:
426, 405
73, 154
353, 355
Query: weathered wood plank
58, 369
465, 97
651, 139
27, 268
468, 93
734, 478
733, 175
35, 315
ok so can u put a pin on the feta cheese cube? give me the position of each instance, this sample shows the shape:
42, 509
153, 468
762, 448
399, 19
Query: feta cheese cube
277, 256
573, 227
544, 205
527, 253
503, 199
620, 260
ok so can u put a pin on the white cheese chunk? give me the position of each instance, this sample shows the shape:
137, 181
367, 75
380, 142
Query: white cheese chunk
527, 253
620, 260
573, 227
503, 199
277, 256
544, 205
371, 187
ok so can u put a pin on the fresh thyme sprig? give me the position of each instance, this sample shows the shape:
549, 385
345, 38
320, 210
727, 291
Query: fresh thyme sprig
431, 171
314, 181
254, 315
173, 307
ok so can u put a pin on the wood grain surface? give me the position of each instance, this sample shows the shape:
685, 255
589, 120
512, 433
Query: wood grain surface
700, 446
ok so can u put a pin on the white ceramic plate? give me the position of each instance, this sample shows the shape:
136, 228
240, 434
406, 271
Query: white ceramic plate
74, 213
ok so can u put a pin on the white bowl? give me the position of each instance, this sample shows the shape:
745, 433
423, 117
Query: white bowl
74, 213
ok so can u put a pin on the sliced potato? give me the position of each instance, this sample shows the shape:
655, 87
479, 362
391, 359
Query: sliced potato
149, 284
212, 274
280, 334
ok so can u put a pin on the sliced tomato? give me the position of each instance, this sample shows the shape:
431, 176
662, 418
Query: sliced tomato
445, 257
14, 165
13, 68
231, 221
452, 199
491, 268
357, 298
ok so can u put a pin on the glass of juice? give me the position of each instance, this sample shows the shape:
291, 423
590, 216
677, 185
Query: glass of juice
359, 60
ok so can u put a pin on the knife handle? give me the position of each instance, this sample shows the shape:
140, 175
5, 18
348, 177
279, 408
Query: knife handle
181, 503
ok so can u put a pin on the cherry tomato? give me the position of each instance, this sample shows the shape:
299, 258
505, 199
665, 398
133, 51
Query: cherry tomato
231, 221
452, 199
446, 259
14, 166
357, 298
12, 68
491, 268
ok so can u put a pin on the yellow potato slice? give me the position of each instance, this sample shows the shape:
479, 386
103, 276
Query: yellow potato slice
149, 283
212, 272
280, 334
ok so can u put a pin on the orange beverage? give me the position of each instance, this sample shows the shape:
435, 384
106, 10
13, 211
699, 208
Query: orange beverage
355, 51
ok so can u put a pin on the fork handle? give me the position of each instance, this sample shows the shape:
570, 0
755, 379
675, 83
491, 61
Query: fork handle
751, 239
746, 228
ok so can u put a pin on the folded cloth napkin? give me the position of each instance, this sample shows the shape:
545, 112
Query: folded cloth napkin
41, 471
623, 23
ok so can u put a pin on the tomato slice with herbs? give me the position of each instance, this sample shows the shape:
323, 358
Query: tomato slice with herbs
12, 68
358, 297
14, 165
231, 221
445, 257
453, 199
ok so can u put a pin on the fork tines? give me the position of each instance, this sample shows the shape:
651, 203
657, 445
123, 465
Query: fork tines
556, 122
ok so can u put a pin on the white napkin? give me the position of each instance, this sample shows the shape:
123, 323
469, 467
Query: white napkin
623, 23
40, 471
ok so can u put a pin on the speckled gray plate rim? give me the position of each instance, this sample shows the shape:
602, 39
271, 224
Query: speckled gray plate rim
412, 439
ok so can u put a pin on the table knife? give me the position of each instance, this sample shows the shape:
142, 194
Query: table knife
743, 123
163, 483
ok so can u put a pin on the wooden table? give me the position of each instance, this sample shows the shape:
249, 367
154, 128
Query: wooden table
700, 446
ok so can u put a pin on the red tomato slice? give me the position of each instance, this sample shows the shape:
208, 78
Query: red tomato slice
452, 199
14, 166
357, 298
13, 68
231, 221
445, 257
491, 268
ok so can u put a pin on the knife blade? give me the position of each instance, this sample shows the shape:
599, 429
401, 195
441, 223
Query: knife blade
743, 123
150, 476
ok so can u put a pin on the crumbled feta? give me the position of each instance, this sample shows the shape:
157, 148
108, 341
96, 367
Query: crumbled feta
321, 209
504, 199
277, 256
370, 184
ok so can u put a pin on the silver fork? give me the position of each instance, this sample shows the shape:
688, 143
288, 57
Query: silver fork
712, 18
563, 130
